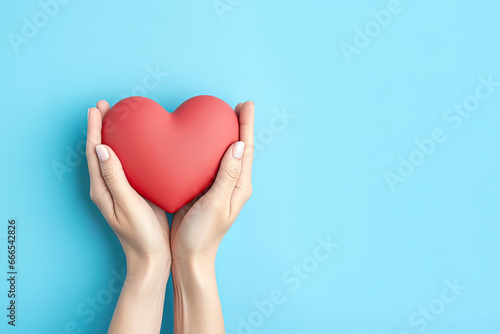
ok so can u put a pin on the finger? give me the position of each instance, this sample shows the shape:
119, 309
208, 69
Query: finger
103, 107
228, 175
94, 124
246, 119
113, 175
237, 108
243, 188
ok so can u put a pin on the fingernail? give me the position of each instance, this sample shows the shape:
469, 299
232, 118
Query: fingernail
238, 149
102, 152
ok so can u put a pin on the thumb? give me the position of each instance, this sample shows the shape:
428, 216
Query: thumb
229, 172
112, 172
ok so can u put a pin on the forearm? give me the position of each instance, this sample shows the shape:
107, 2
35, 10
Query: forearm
197, 308
140, 305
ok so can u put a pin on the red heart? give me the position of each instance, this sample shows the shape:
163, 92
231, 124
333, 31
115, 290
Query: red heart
170, 158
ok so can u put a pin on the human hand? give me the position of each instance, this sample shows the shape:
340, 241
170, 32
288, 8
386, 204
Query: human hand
197, 230
142, 229
141, 226
198, 227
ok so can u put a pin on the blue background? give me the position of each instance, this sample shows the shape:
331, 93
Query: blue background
321, 174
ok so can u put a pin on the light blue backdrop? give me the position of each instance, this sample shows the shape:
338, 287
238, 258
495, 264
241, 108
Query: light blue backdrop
344, 97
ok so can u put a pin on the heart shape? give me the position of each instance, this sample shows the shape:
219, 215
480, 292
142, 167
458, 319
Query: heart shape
170, 158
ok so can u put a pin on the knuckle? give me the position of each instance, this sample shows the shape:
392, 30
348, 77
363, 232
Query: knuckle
232, 173
95, 197
109, 175
249, 192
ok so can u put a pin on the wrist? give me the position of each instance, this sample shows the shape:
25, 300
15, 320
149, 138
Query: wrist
193, 269
148, 268
183, 259
196, 296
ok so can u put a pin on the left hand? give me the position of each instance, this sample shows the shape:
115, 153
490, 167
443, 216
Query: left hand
198, 227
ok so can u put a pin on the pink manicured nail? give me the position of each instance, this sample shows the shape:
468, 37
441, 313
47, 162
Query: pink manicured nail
238, 149
102, 152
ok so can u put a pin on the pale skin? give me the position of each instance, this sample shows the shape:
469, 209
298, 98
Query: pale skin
153, 250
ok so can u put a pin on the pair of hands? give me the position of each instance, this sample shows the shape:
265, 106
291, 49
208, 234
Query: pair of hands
150, 246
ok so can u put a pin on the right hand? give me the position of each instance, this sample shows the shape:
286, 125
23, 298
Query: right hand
141, 226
